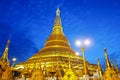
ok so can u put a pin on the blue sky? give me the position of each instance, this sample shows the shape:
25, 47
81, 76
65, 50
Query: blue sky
30, 22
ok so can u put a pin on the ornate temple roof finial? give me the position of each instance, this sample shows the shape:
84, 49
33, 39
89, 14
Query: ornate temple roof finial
108, 64
105, 49
99, 63
112, 65
4, 57
105, 52
57, 19
57, 29
58, 12
8, 42
100, 71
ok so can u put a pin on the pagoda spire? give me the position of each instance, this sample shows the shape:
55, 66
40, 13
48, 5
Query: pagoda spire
116, 66
108, 64
4, 57
57, 19
112, 65
57, 29
100, 71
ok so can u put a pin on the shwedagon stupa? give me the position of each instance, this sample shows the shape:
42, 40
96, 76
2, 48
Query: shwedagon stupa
57, 53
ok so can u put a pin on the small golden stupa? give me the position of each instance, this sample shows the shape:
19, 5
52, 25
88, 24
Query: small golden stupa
5, 69
110, 72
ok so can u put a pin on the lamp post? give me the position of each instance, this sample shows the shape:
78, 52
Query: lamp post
14, 61
82, 45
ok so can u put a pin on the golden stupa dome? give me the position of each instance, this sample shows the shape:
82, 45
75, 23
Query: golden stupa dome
56, 52
57, 41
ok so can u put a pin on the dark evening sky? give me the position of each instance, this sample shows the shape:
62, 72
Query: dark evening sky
30, 22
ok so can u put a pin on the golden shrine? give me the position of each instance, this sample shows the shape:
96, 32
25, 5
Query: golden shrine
5, 69
57, 61
56, 53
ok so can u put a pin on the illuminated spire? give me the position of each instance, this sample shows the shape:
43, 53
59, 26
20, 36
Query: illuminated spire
57, 19
4, 57
100, 71
108, 64
57, 29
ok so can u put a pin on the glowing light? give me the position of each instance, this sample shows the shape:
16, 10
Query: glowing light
87, 42
14, 59
78, 43
77, 53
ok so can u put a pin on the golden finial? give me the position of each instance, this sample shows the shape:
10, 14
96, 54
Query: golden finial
108, 64
105, 49
112, 65
4, 57
57, 29
98, 61
8, 42
105, 52
100, 71
58, 11
99, 65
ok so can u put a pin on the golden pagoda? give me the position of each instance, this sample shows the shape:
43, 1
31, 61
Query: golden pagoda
110, 73
5, 70
55, 54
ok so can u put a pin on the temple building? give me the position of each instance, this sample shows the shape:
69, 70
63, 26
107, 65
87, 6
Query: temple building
56, 53
57, 61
